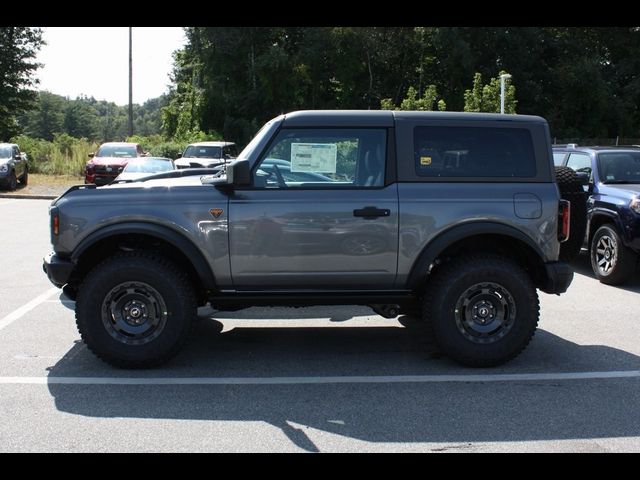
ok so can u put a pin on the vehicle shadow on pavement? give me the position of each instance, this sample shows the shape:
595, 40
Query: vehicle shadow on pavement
452, 412
582, 266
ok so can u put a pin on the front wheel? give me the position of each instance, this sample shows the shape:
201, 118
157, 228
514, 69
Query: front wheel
484, 310
24, 180
12, 182
612, 262
135, 310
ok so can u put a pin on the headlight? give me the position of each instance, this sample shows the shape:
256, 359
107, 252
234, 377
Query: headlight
635, 205
4, 168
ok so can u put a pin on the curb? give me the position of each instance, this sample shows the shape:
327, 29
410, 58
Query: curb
34, 197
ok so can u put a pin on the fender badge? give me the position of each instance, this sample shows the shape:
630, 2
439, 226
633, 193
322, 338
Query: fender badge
216, 212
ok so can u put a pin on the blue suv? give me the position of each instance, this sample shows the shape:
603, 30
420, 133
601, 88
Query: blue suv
612, 177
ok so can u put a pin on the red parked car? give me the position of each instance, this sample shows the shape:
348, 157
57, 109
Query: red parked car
109, 161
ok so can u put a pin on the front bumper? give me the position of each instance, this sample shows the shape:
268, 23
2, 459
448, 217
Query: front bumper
57, 269
559, 277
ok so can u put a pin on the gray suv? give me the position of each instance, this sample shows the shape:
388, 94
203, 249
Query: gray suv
454, 217
13, 166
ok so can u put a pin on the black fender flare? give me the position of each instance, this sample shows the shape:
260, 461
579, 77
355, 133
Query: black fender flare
161, 232
599, 212
417, 276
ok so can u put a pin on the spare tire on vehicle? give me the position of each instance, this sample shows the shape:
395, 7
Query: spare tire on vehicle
571, 189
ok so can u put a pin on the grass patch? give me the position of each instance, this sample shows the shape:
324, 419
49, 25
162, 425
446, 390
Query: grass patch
37, 179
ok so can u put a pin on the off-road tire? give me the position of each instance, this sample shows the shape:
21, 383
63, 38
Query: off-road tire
144, 282
12, 182
24, 180
621, 262
491, 280
571, 189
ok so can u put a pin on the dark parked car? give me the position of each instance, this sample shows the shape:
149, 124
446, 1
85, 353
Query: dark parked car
613, 206
13, 166
110, 160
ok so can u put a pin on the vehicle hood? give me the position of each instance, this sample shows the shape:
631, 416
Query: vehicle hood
206, 162
160, 182
5, 160
628, 191
131, 176
120, 161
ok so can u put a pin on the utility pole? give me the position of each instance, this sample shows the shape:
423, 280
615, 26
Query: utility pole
130, 85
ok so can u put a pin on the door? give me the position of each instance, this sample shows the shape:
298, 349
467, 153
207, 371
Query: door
320, 214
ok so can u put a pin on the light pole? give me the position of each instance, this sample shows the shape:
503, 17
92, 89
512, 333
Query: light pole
503, 77
130, 84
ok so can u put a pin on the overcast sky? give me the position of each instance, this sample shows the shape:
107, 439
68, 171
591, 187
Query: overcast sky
94, 61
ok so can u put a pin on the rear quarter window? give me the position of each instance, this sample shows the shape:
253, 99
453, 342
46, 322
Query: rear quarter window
474, 152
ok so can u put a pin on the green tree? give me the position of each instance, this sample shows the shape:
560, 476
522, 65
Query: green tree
429, 101
81, 119
18, 49
486, 98
47, 117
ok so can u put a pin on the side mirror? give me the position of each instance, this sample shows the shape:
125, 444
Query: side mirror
239, 174
17, 156
92, 154
583, 177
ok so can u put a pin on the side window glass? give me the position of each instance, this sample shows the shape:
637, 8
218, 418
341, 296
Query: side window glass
474, 152
580, 162
323, 158
558, 158
230, 151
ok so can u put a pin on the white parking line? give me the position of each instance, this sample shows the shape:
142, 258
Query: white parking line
27, 307
7, 202
507, 377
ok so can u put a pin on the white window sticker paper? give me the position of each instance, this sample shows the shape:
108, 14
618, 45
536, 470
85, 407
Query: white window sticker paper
314, 157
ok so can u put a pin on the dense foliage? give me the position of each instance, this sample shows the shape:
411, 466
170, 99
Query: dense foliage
86, 117
18, 49
584, 80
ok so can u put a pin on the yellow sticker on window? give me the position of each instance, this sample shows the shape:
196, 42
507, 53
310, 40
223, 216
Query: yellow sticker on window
425, 160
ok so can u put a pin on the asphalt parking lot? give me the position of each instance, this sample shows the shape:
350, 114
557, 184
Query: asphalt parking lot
337, 379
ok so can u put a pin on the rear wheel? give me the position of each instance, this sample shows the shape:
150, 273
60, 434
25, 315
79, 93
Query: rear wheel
612, 262
571, 189
135, 310
483, 310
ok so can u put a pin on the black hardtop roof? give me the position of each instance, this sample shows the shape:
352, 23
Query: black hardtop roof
385, 118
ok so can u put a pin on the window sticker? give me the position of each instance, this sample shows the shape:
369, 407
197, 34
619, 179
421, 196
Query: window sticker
425, 160
314, 157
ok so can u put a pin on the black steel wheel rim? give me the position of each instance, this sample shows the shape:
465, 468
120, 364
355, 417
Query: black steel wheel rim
606, 254
485, 312
134, 313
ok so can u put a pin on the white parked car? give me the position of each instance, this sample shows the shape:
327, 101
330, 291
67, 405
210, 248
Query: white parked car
206, 154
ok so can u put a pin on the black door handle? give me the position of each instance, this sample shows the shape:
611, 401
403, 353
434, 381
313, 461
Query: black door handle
371, 212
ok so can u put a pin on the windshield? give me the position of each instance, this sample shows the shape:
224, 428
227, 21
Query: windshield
149, 165
5, 152
124, 151
265, 131
619, 167
202, 152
